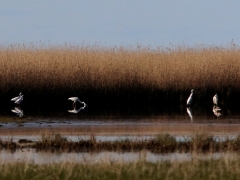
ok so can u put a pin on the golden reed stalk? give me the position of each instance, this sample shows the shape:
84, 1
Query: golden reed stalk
73, 67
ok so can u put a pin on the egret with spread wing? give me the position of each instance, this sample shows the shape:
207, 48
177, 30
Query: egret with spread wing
75, 100
18, 99
14, 99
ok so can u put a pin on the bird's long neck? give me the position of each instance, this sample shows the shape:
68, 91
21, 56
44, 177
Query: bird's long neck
191, 94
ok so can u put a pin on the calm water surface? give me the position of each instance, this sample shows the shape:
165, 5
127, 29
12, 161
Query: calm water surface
31, 156
18, 123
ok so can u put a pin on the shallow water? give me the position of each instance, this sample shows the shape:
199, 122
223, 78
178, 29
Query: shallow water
120, 129
76, 126
18, 124
31, 156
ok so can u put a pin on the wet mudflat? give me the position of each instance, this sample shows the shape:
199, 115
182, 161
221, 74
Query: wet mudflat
111, 128
119, 144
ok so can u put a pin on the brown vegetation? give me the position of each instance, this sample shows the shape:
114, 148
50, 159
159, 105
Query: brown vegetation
162, 143
226, 167
120, 72
76, 67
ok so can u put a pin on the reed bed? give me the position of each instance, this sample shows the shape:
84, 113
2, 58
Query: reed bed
162, 143
127, 75
219, 169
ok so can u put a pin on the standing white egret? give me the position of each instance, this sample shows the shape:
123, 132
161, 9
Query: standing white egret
215, 99
189, 100
75, 99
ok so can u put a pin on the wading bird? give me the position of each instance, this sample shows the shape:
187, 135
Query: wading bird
14, 99
216, 111
215, 99
75, 99
189, 100
18, 99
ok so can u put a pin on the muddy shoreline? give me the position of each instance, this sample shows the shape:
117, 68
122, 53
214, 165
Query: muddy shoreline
109, 128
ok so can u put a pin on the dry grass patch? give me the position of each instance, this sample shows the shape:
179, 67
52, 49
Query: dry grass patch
90, 67
162, 143
219, 169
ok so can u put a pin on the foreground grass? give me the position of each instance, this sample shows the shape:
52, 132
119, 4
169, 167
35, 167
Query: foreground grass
220, 169
162, 143
119, 76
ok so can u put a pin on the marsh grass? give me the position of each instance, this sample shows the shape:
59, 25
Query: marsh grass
119, 76
162, 143
219, 169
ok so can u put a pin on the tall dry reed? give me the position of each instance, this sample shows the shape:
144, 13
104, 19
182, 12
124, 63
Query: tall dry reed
61, 69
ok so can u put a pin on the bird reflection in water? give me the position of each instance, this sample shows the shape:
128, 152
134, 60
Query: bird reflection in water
76, 110
18, 111
189, 111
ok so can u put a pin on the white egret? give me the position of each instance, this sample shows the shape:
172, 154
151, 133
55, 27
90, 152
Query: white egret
215, 99
75, 99
18, 99
216, 111
189, 100
14, 99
